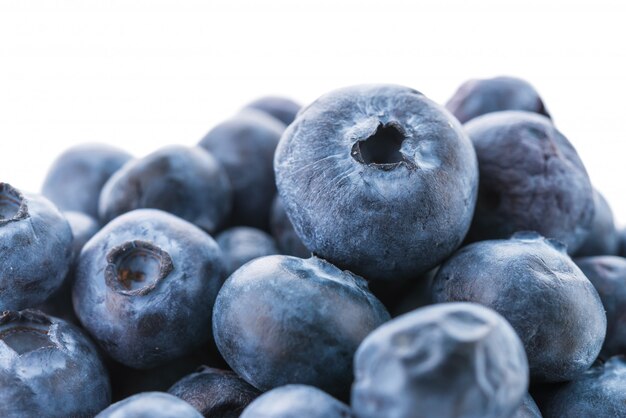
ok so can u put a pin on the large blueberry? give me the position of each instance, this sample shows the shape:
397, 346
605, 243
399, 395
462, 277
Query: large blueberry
282, 108
215, 392
35, 249
245, 146
531, 179
281, 319
145, 286
241, 244
449, 360
477, 97
75, 179
378, 179
532, 283
528, 409
150, 405
48, 368
296, 401
603, 239
285, 235
188, 182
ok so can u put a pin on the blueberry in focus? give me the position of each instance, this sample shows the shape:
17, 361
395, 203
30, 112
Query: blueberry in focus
531, 179
48, 368
245, 146
603, 238
296, 401
289, 243
282, 108
241, 244
150, 405
215, 393
145, 286
378, 180
448, 360
528, 409
35, 249
534, 285
74, 180
187, 182
478, 97
281, 319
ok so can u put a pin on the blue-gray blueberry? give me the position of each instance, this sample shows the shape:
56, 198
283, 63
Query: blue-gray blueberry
150, 405
603, 238
282, 108
241, 244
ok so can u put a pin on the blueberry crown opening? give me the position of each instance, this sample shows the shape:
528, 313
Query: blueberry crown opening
382, 148
12, 204
136, 267
25, 331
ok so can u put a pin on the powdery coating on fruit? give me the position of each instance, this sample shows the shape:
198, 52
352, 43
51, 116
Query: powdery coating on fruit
241, 244
77, 175
599, 392
150, 405
282, 108
215, 393
83, 228
296, 401
478, 97
64, 377
285, 235
603, 238
535, 286
381, 220
448, 360
35, 249
245, 146
531, 179
280, 320
608, 276
187, 182
165, 318
528, 409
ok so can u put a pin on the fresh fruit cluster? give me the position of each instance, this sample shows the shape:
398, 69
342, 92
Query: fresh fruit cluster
375, 255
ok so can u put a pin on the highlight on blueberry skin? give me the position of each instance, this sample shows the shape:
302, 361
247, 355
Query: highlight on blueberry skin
288, 241
603, 238
478, 97
533, 284
293, 401
531, 179
74, 180
281, 319
378, 179
150, 405
145, 286
449, 360
281, 108
241, 244
35, 249
48, 368
187, 182
215, 393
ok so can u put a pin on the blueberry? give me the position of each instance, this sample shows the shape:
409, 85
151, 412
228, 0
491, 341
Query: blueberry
528, 409
281, 319
145, 286
48, 368
532, 283
603, 239
35, 249
83, 228
150, 405
215, 393
282, 229
74, 181
478, 97
447, 360
531, 179
187, 182
296, 401
241, 244
283, 109
403, 296
622, 242
245, 146
378, 180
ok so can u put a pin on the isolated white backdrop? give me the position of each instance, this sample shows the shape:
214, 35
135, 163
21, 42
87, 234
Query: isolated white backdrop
142, 74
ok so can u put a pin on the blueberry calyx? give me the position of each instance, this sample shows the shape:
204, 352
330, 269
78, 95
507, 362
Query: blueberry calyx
25, 331
13, 205
381, 148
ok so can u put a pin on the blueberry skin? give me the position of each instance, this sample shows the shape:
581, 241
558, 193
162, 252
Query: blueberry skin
285, 235
608, 275
622, 242
145, 286
532, 283
531, 179
282, 108
74, 180
150, 405
215, 393
281, 319
528, 409
449, 360
35, 249
245, 146
599, 392
48, 368
187, 182
603, 238
241, 244
478, 97
378, 179
296, 401
83, 228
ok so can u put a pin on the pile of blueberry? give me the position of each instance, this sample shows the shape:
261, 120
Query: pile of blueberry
371, 255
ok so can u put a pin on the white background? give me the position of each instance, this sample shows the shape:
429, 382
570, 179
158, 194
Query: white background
142, 74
